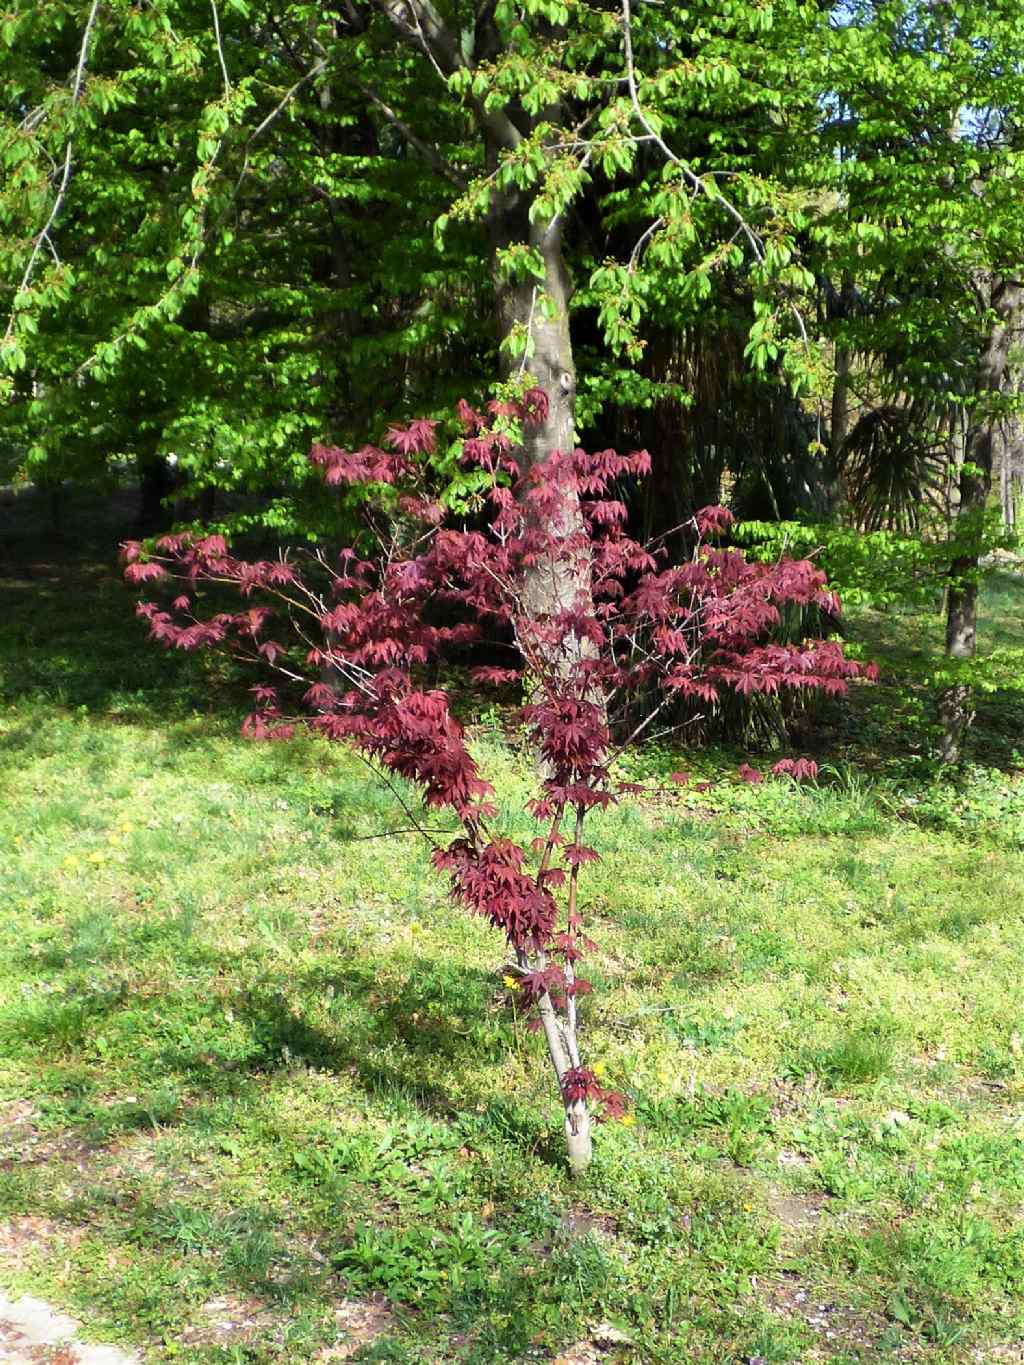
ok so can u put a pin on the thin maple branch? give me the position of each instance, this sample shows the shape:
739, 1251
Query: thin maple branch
409, 813
387, 833
282, 104
569, 970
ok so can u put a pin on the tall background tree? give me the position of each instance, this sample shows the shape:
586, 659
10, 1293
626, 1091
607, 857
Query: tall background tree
776, 244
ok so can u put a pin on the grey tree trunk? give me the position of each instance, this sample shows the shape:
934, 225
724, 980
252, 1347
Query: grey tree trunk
564, 1053
1010, 460
536, 313
840, 423
991, 377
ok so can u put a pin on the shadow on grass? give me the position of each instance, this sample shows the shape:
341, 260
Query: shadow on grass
390, 1045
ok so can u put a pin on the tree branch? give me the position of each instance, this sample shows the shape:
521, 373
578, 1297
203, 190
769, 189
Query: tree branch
220, 46
696, 182
429, 153
419, 23
44, 233
286, 99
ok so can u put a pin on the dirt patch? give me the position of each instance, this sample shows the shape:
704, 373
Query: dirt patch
580, 1222
134, 1157
838, 1328
24, 1236
790, 1161
604, 1346
359, 1323
581, 1353
789, 1097
17, 1133
231, 1321
796, 1212
22, 1143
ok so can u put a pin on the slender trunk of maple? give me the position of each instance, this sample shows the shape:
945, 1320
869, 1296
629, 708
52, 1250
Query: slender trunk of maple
564, 1055
578, 1140
533, 323
956, 702
535, 312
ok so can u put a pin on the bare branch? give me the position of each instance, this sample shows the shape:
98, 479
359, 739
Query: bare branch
283, 103
689, 175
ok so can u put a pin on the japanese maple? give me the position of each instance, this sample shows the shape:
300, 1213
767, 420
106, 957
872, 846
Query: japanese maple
352, 639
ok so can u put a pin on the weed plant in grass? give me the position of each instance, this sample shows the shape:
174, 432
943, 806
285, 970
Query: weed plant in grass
253, 1073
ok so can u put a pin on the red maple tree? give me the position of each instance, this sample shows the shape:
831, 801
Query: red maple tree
352, 638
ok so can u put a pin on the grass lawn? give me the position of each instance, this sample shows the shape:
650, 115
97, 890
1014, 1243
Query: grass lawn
263, 1095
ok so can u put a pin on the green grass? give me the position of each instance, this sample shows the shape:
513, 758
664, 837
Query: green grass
253, 1068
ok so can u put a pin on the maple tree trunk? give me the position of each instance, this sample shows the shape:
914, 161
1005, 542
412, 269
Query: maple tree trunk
577, 1136
956, 704
564, 1054
534, 314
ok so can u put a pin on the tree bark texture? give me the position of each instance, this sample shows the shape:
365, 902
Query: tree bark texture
991, 378
539, 310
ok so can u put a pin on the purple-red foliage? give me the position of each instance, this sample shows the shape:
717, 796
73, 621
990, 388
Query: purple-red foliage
350, 639
799, 769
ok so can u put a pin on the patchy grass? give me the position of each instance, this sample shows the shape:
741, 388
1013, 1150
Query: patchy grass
263, 1096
